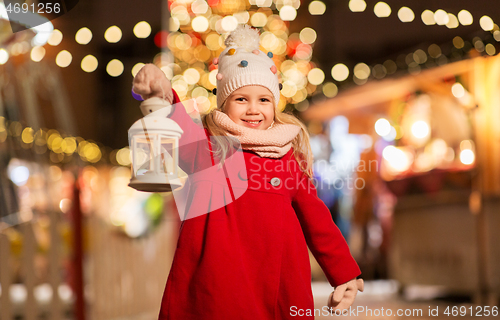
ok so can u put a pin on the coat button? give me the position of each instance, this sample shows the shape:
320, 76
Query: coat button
275, 182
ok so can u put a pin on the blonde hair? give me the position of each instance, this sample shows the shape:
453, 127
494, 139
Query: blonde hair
300, 144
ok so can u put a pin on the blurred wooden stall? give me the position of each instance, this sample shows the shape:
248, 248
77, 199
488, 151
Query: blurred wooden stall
123, 272
439, 235
126, 271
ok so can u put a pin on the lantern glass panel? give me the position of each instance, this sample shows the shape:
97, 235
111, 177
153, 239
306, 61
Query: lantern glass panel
143, 154
168, 158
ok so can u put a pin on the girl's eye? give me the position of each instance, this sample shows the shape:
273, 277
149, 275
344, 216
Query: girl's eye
264, 100
240, 99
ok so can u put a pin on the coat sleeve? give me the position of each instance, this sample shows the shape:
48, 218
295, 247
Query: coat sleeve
323, 237
194, 149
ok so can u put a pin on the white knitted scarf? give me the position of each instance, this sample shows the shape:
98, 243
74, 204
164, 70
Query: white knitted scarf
272, 143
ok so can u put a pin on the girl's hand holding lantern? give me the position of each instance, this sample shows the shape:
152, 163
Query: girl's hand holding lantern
151, 82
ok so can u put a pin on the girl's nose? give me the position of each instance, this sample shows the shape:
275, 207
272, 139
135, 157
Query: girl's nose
252, 108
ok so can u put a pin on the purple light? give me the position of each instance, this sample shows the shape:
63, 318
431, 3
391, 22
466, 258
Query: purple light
137, 96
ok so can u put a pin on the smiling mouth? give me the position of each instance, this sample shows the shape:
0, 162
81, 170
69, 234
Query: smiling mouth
253, 121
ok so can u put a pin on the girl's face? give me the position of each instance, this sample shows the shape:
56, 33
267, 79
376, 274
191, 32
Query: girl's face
251, 107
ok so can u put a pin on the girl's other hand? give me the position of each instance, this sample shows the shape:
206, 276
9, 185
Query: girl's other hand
343, 296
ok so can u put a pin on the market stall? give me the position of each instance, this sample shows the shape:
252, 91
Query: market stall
438, 153
73, 235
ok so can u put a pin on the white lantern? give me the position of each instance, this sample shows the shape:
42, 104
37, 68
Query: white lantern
154, 142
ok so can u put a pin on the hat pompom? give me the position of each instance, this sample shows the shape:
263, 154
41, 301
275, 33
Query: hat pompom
244, 36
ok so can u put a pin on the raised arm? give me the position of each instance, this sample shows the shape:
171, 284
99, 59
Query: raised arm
323, 237
194, 152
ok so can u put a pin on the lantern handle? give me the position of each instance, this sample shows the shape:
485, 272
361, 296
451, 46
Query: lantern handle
156, 107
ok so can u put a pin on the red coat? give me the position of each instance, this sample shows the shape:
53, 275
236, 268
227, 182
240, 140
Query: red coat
249, 259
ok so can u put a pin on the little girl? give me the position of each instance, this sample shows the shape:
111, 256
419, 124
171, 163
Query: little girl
249, 258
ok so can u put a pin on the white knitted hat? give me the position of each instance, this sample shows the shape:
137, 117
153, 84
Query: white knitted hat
242, 64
